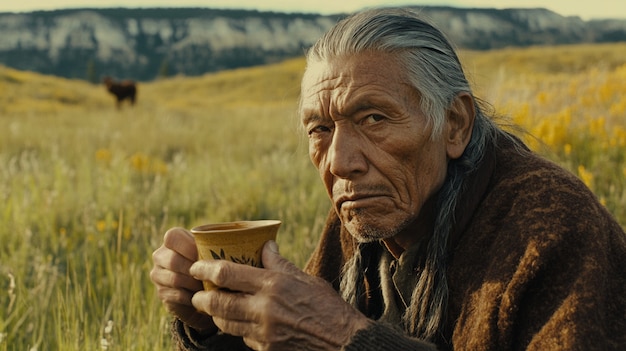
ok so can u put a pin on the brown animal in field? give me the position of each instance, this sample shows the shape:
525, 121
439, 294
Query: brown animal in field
126, 89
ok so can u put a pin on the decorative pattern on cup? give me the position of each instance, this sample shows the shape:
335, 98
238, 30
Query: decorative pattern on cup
251, 261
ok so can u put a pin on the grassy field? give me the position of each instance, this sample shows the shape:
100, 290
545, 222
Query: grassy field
87, 192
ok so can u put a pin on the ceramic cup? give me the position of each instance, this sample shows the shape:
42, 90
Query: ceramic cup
239, 242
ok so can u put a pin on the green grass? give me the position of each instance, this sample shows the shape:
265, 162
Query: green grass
87, 192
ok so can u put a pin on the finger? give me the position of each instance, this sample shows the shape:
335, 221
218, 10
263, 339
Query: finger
192, 317
245, 278
175, 297
272, 260
230, 275
252, 333
230, 305
171, 260
255, 344
181, 241
232, 327
164, 277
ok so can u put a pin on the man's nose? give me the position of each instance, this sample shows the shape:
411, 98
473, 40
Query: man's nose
346, 154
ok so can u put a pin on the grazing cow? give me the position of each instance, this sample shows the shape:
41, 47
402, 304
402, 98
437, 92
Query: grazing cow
123, 90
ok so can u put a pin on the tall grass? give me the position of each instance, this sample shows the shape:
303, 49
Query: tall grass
571, 101
87, 192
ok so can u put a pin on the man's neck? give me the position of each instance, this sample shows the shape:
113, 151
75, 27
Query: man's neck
415, 232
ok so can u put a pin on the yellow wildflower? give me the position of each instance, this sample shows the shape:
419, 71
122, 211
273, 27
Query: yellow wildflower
101, 226
140, 162
567, 149
104, 156
585, 175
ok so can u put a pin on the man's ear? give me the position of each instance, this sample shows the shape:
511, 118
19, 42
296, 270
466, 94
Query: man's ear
459, 124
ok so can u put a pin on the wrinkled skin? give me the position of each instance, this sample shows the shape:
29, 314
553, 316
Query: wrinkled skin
278, 307
374, 147
175, 285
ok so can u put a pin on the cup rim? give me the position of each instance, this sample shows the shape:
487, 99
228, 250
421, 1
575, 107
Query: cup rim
245, 225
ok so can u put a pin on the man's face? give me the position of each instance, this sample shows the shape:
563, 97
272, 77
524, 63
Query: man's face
371, 143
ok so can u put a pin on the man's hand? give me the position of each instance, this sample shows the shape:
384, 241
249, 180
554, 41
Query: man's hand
278, 307
175, 286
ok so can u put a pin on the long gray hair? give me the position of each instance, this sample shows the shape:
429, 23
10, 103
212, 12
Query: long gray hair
436, 72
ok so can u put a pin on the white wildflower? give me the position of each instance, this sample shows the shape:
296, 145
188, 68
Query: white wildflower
109, 327
11, 291
104, 344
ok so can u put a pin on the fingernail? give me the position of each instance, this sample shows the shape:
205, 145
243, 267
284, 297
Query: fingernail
273, 246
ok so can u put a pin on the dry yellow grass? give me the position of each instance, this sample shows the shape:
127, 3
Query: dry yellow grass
86, 192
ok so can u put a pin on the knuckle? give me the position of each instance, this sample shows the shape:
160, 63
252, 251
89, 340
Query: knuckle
173, 296
274, 284
265, 305
212, 305
167, 278
173, 279
172, 235
153, 274
221, 272
270, 334
157, 254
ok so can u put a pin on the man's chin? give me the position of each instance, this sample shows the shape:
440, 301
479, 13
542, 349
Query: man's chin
365, 232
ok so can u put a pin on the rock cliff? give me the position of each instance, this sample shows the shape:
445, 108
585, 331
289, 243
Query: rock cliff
146, 43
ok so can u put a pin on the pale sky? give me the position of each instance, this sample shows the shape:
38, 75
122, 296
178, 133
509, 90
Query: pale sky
586, 9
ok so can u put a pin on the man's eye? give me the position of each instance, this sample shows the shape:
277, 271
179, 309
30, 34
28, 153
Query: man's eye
318, 129
373, 118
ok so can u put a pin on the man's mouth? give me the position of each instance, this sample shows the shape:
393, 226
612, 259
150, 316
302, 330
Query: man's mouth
354, 201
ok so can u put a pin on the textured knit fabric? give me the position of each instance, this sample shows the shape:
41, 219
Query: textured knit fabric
186, 338
535, 263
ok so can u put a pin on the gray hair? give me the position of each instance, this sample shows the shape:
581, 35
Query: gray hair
431, 62
437, 74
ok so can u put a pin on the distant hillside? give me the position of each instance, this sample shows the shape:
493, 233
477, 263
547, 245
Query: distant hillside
147, 43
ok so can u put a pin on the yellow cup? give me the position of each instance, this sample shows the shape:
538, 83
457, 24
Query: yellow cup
239, 242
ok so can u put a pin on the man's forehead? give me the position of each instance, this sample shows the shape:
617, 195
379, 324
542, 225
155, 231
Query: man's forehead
384, 92
319, 74
343, 72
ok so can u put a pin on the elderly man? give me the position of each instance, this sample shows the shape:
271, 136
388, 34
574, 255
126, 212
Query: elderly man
446, 232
